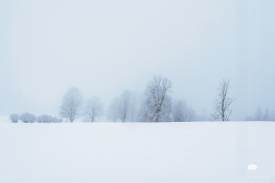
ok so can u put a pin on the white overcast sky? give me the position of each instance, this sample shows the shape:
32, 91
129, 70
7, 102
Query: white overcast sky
104, 47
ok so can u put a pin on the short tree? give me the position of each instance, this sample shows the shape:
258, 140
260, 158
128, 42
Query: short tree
93, 109
71, 104
27, 118
222, 104
157, 103
14, 118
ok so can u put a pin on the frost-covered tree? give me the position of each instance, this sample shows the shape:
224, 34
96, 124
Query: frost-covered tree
27, 118
181, 112
124, 106
14, 118
44, 119
222, 104
156, 106
71, 104
93, 109
112, 113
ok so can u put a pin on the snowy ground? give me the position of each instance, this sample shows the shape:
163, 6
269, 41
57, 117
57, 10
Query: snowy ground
137, 152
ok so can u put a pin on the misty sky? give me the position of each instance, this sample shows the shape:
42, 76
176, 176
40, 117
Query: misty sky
104, 47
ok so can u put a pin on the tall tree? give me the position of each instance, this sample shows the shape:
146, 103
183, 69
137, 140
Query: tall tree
222, 104
71, 104
157, 104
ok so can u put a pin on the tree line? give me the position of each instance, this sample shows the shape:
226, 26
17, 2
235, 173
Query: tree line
30, 118
155, 105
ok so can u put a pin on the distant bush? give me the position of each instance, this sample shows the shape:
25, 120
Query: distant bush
47, 119
14, 118
44, 119
57, 120
27, 118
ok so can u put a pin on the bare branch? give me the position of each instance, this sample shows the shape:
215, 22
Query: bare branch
222, 104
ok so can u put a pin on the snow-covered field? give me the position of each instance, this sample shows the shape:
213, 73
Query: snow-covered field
213, 152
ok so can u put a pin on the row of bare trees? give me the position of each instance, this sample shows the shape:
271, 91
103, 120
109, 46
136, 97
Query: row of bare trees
155, 105
73, 106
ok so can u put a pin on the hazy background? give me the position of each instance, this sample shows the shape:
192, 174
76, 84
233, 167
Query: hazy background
104, 47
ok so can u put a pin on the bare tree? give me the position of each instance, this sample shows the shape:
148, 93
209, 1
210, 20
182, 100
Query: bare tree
27, 118
71, 104
112, 113
222, 104
124, 106
14, 118
93, 109
157, 104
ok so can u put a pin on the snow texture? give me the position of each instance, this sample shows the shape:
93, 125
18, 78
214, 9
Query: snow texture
136, 152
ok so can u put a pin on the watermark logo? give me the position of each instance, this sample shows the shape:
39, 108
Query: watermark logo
252, 167
253, 177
